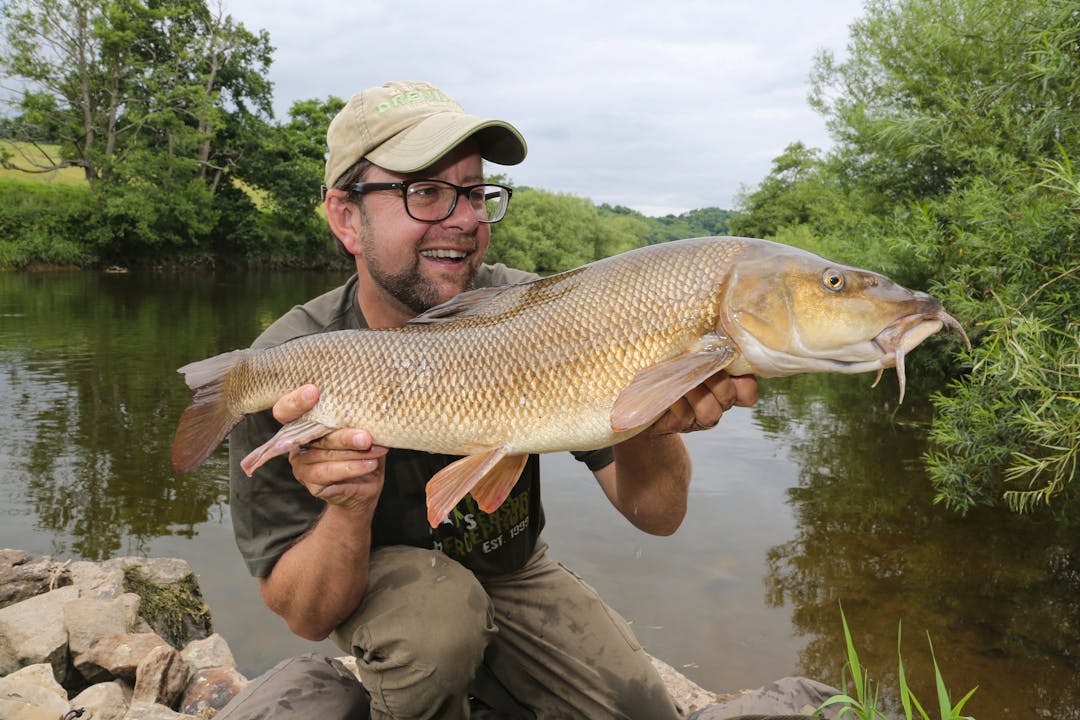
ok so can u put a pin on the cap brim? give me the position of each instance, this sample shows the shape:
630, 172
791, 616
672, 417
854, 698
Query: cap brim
425, 143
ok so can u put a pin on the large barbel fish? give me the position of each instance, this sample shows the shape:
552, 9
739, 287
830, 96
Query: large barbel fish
579, 360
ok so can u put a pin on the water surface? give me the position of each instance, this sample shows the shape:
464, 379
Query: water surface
814, 497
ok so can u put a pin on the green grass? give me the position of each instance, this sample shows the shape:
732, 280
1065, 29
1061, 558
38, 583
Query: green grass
24, 158
864, 704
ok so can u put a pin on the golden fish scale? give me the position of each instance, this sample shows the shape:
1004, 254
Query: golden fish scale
537, 368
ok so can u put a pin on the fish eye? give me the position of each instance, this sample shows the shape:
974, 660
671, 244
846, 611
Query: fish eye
833, 280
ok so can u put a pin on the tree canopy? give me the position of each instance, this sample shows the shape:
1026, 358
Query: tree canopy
151, 99
957, 123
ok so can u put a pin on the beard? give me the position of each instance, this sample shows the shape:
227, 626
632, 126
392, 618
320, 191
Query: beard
407, 286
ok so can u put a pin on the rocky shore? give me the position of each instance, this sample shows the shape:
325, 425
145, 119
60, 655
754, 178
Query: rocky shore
132, 639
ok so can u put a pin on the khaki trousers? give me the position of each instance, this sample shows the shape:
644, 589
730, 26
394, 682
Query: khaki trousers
429, 633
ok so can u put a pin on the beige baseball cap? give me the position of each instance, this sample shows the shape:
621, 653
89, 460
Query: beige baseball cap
407, 126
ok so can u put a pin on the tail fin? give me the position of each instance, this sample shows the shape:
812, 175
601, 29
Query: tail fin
208, 419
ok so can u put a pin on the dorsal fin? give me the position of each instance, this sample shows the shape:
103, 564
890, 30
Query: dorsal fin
463, 304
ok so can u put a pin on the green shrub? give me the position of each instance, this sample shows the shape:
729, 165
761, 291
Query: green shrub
44, 223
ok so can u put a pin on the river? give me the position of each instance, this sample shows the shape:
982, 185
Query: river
814, 497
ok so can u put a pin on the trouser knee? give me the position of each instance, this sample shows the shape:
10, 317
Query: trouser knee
420, 632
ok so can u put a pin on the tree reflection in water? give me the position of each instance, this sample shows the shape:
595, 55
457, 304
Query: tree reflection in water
996, 592
89, 362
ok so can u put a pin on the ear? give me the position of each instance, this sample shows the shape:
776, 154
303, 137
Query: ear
343, 218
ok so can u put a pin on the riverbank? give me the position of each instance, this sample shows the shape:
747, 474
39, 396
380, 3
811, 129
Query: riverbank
132, 639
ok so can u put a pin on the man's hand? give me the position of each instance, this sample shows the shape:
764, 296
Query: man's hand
343, 468
702, 407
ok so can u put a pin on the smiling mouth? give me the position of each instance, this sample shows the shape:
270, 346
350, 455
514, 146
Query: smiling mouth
444, 254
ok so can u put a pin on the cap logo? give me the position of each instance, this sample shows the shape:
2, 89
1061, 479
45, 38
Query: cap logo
413, 96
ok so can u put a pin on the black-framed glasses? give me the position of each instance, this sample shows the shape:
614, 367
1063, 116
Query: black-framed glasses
434, 200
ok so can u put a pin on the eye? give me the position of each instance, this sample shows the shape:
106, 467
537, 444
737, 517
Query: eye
833, 280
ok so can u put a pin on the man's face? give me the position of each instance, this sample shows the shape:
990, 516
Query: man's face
411, 265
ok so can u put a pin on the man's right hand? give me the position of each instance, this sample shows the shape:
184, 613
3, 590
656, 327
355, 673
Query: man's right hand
343, 468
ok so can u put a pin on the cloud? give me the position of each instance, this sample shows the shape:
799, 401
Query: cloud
662, 107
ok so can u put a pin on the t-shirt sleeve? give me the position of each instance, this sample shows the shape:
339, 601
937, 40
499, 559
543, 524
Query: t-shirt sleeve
270, 510
595, 459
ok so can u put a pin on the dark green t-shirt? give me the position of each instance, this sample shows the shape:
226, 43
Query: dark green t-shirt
272, 510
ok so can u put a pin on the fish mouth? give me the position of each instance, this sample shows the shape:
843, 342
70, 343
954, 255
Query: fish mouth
905, 334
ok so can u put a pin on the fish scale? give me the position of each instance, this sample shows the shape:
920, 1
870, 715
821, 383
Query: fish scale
575, 361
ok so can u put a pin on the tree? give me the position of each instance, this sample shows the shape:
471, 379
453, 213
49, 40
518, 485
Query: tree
956, 124
148, 97
545, 232
936, 91
284, 164
786, 196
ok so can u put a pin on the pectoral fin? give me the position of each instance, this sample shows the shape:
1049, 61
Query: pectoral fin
490, 469
655, 389
293, 435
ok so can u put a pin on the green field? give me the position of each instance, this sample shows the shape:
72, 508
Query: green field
23, 159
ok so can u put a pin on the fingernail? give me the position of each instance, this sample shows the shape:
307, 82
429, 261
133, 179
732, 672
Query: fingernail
308, 394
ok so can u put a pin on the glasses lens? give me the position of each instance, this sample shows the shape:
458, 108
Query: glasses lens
430, 200
434, 200
489, 202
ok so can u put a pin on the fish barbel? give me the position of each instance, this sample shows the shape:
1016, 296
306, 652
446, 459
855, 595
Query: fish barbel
576, 361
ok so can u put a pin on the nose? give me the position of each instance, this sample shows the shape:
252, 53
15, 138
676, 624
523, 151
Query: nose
463, 217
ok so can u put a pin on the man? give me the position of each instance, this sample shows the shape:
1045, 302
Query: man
475, 606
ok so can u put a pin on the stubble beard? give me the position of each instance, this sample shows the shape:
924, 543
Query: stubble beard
408, 286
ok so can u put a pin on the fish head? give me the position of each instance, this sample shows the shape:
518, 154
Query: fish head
790, 311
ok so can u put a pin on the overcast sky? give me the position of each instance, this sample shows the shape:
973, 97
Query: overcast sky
663, 106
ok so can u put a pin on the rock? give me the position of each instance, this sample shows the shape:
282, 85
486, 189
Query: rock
41, 675
98, 621
89, 619
209, 652
163, 571
26, 690
32, 632
23, 576
104, 701
210, 689
20, 709
150, 711
161, 677
787, 696
172, 602
686, 694
119, 655
94, 580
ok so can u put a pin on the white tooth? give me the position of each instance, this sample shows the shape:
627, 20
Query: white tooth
448, 254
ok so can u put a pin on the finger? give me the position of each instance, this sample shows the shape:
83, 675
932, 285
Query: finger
350, 439
707, 405
309, 457
317, 477
678, 418
746, 390
292, 405
354, 492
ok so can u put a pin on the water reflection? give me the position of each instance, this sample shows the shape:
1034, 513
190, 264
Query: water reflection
89, 362
998, 594
87, 371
